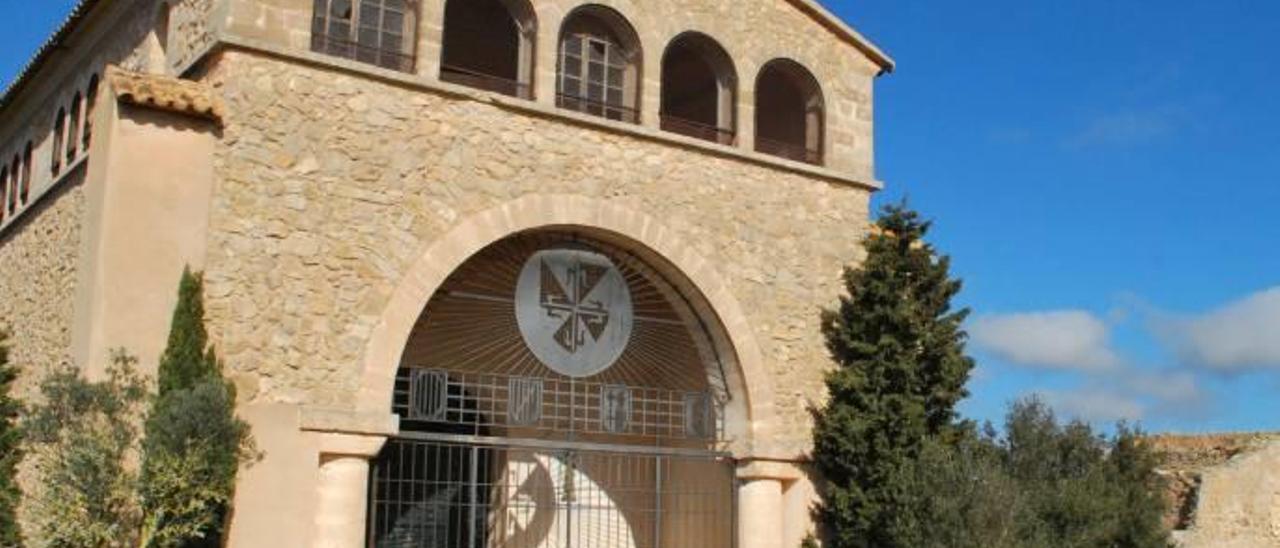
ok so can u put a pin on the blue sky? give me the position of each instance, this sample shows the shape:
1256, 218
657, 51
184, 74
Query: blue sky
1106, 177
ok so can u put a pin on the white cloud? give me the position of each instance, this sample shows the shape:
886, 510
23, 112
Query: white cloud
1065, 339
1128, 127
1171, 389
1129, 394
1240, 336
1095, 406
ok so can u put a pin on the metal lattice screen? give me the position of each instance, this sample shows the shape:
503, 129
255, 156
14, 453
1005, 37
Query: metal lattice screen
501, 405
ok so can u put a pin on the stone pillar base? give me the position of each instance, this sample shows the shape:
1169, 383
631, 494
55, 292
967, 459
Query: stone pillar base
342, 490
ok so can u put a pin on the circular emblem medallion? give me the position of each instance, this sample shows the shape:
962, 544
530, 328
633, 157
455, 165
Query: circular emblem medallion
574, 310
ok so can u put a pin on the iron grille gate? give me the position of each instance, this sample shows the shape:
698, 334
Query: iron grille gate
444, 492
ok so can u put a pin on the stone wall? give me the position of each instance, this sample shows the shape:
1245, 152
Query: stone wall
38, 267
38, 261
843, 72
192, 32
1224, 490
329, 184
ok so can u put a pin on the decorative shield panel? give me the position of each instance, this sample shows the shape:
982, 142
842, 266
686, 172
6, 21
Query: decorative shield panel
574, 311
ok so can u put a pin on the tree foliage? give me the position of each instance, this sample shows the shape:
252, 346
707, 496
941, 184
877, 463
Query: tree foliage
10, 449
899, 349
187, 358
105, 486
83, 436
194, 442
903, 471
1043, 484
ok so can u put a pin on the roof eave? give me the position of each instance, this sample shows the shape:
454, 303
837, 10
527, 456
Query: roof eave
843, 30
48, 49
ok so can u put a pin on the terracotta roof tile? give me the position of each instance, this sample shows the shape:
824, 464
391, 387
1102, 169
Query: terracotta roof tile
165, 93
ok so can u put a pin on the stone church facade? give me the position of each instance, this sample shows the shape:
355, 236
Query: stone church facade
522, 273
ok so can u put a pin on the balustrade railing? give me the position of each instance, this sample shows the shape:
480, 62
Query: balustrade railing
698, 130
488, 82
598, 108
790, 151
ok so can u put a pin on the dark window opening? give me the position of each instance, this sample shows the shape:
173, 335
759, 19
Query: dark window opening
789, 113
15, 179
488, 44
59, 135
377, 32
5, 190
599, 65
26, 175
698, 89
91, 96
73, 139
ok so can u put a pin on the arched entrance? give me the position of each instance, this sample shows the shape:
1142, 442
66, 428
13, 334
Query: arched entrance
559, 390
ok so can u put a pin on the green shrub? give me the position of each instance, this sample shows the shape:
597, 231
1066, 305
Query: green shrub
194, 442
10, 449
106, 487
82, 437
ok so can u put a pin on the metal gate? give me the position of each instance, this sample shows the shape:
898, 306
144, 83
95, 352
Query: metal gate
557, 392
441, 491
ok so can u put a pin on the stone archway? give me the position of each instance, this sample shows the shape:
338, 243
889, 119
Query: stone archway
644, 235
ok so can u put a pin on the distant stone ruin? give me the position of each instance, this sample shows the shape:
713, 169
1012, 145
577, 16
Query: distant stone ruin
1223, 489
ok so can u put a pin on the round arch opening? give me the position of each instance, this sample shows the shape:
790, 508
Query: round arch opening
561, 387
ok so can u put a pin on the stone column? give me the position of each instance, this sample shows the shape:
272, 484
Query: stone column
342, 489
760, 513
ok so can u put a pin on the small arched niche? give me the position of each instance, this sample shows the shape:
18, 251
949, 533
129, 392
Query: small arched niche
599, 64
790, 112
59, 137
699, 89
73, 136
489, 44
5, 190
90, 98
26, 174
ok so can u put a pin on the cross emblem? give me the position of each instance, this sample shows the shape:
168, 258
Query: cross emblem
569, 301
574, 310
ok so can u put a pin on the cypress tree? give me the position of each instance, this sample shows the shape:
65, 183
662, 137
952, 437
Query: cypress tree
10, 449
901, 369
194, 443
187, 357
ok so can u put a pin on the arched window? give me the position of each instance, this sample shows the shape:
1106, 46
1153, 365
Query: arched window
488, 44
377, 32
789, 112
59, 136
73, 136
90, 97
15, 178
5, 190
599, 64
698, 89
26, 174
